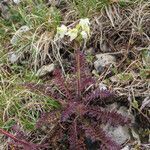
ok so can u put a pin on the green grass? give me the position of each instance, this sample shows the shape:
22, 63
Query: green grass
38, 17
18, 105
87, 8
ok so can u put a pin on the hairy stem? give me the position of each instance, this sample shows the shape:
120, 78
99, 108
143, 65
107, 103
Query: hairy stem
78, 73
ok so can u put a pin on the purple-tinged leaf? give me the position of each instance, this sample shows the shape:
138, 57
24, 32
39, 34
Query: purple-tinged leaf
111, 117
61, 84
73, 138
98, 134
97, 95
70, 109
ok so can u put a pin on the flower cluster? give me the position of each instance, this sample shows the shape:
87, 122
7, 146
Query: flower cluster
81, 29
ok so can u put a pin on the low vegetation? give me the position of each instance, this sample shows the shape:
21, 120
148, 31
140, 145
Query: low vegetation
67, 108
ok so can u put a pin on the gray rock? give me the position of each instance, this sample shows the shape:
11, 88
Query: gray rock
45, 69
119, 134
18, 34
13, 57
103, 60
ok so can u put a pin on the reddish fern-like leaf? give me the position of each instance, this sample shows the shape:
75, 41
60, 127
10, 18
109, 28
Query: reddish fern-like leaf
98, 95
111, 117
81, 144
68, 111
76, 141
86, 82
61, 84
81, 114
98, 134
73, 138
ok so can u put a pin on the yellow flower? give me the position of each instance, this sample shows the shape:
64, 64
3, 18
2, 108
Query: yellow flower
61, 32
73, 33
85, 25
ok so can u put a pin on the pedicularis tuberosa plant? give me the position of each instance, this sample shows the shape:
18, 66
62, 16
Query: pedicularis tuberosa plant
82, 114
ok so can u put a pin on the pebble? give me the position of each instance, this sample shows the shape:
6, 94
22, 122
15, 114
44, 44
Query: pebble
103, 60
45, 69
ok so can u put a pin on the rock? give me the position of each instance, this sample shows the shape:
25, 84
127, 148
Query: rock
13, 57
45, 69
18, 34
119, 134
102, 61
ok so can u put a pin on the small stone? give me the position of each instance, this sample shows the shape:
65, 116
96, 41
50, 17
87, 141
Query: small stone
119, 134
18, 34
13, 57
102, 61
45, 69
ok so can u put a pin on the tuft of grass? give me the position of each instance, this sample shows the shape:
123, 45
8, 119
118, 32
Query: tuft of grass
87, 8
39, 18
18, 105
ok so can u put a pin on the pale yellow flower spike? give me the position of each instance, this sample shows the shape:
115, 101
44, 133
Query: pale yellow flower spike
72, 33
61, 32
85, 25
